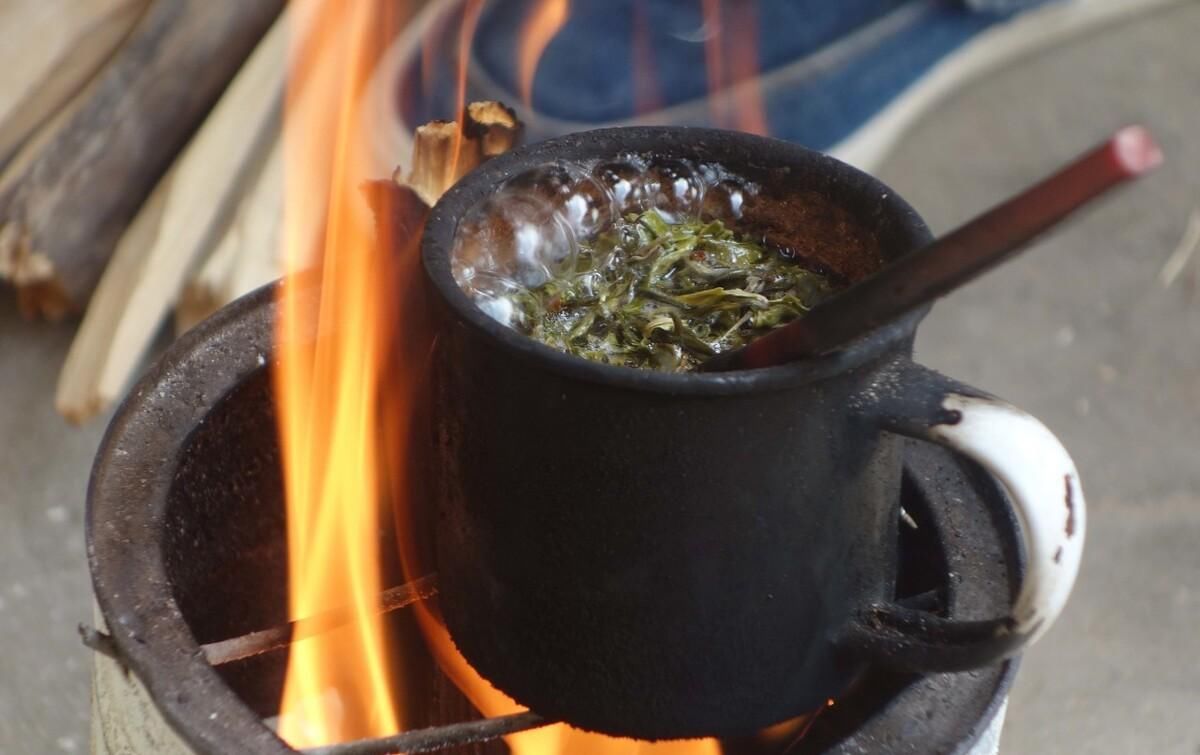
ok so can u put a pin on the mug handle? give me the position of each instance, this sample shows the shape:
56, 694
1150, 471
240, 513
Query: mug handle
1044, 489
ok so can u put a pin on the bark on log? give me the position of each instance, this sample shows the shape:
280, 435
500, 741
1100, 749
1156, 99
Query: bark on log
178, 224
71, 192
51, 49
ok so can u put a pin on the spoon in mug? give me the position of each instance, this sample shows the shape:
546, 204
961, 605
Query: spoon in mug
946, 263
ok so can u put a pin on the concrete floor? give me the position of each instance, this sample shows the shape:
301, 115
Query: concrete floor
1079, 331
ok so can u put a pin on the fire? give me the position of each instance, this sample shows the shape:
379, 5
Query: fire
545, 19
337, 686
646, 94
559, 739
466, 34
347, 377
731, 62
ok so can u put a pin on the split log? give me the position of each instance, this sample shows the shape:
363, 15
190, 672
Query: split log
249, 254
72, 191
182, 220
50, 50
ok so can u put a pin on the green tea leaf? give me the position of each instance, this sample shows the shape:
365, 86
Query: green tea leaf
665, 295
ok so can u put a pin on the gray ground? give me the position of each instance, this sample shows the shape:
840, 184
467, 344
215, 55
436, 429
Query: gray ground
1079, 331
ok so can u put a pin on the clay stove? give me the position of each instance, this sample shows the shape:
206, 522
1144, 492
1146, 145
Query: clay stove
186, 547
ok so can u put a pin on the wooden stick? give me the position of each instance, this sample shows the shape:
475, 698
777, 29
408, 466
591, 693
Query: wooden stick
494, 125
433, 162
178, 223
50, 51
205, 293
266, 640
922, 275
249, 254
444, 153
438, 737
71, 193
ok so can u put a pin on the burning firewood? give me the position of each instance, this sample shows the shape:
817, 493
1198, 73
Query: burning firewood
175, 226
248, 255
72, 190
494, 126
59, 45
442, 153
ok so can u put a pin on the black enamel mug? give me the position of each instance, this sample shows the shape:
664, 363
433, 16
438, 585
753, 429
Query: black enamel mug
666, 555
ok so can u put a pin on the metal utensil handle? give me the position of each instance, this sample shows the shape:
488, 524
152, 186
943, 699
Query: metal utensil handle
1043, 484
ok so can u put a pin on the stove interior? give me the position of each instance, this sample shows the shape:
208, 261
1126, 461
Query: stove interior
225, 554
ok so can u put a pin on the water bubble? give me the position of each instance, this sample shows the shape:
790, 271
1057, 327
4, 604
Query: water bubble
726, 199
529, 230
583, 203
518, 237
589, 209
628, 184
496, 296
677, 185
550, 183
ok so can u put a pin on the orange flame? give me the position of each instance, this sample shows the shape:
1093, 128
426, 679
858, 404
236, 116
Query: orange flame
731, 62
346, 380
646, 94
559, 739
466, 35
337, 685
544, 21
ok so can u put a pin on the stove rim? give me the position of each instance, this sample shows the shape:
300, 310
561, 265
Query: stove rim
153, 427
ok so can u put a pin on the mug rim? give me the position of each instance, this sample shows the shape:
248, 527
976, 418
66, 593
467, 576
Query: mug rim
681, 142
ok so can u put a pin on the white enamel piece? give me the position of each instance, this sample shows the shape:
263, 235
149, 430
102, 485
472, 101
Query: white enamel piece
1042, 481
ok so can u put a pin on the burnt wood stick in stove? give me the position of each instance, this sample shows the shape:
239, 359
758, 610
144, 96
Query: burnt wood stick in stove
431, 699
265, 640
71, 191
438, 737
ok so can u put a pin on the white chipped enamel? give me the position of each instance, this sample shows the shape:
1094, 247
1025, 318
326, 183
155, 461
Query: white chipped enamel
1035, 468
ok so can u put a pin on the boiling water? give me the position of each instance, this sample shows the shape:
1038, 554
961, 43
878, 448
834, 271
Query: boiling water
530, 230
